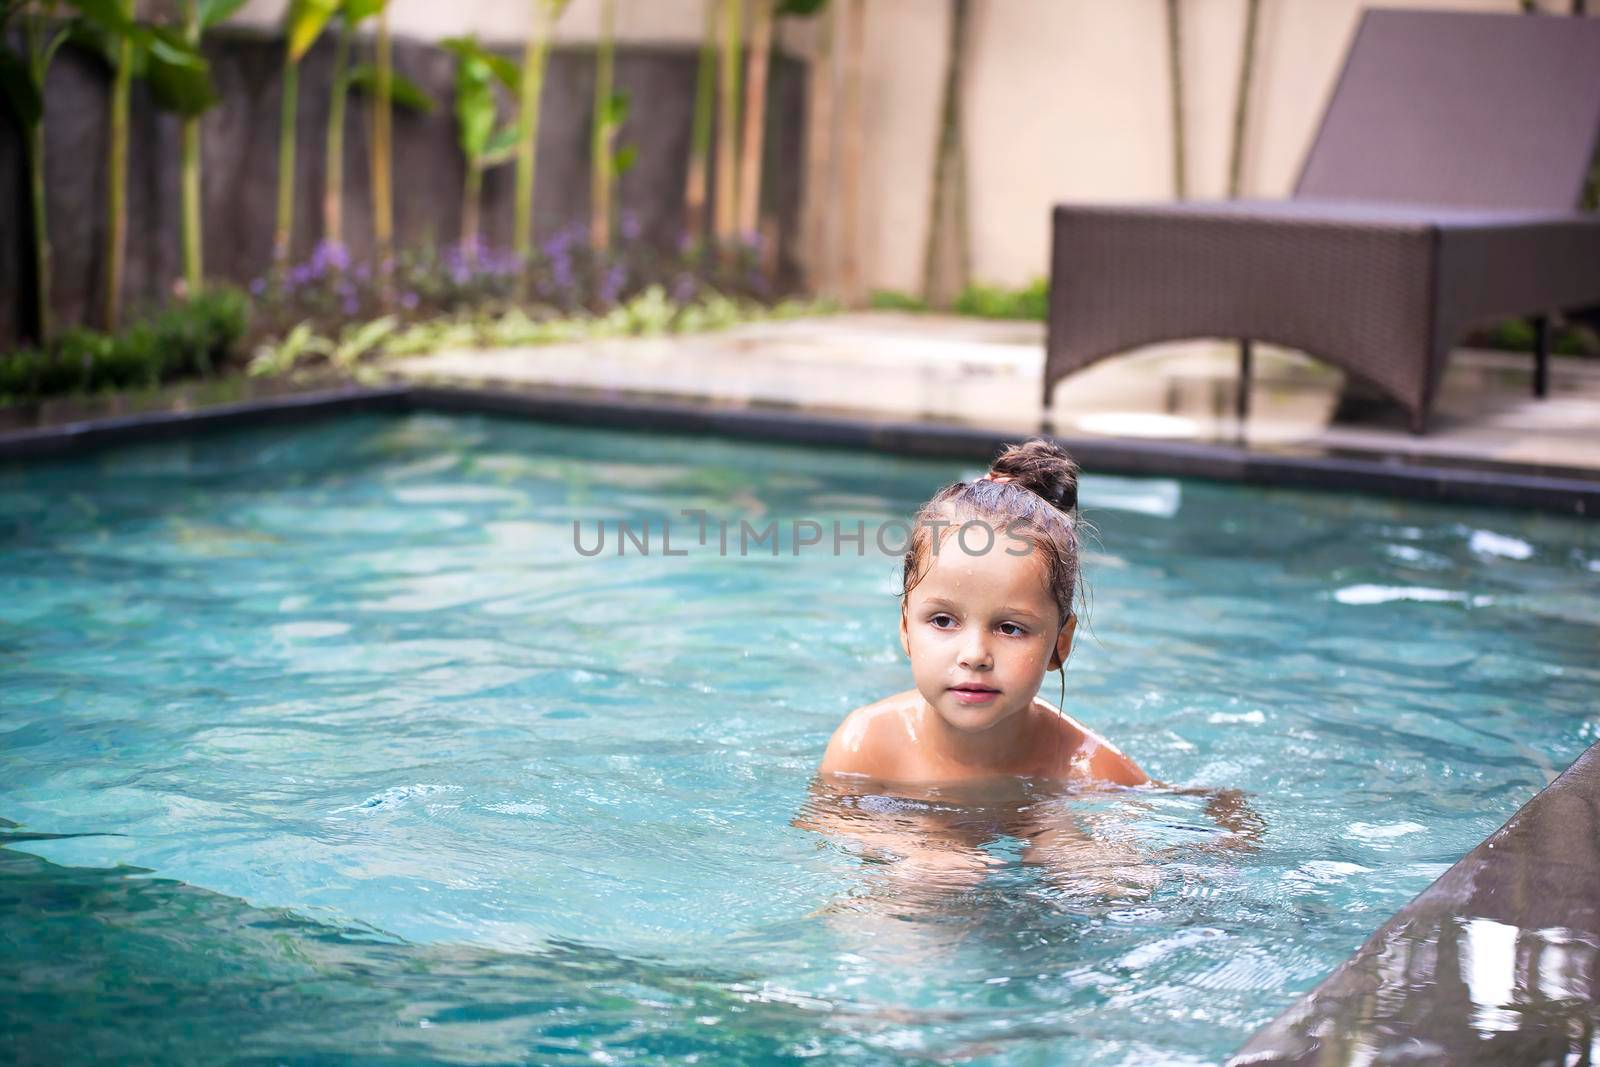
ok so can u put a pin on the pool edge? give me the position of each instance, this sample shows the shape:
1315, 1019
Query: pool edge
1534, 875
1565, 493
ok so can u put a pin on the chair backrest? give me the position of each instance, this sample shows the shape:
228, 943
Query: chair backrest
1470, 110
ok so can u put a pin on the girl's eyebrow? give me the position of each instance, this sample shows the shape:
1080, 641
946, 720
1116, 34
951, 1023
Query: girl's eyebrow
943, 602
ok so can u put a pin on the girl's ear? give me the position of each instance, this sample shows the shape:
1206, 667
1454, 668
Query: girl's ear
905, 636
1063, 643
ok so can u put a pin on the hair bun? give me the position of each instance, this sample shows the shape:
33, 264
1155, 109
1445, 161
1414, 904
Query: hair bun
1043, 467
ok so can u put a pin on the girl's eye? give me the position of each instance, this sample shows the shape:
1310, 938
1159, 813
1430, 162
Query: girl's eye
941, 621
1015, 631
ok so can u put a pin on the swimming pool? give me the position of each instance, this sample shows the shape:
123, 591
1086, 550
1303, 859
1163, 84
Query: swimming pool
353, 754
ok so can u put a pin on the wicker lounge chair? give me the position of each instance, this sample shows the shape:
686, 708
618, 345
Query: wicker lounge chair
1442, 189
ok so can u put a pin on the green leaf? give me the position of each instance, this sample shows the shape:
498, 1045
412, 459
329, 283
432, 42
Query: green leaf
167, 45
616, 109
182, 87
23, 96
625, 158
506, 71
215, 11
802, 8
109, 15
475, 115
357, 339
304, 22
355, 11
93, 37
402, 90
502, 147
41, 62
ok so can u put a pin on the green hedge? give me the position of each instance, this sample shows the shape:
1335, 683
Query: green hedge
983, 301
184, 340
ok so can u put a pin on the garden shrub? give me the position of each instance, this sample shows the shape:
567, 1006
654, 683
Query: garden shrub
186, 339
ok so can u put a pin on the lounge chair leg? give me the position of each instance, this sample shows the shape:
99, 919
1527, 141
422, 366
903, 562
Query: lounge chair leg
1242, 400
1541, 356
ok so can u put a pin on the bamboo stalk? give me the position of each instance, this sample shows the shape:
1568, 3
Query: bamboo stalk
725, 211
535, 52
816, 246
470, 196
333, 176
382, 155
949, 173
189, 172
851, 154
1175, 70
755, 114
1242, 103
601, 133
41, 235
286, 120
117, 179
705, 87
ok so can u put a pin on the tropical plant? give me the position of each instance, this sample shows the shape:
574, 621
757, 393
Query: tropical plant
483, 146
851, 149
1175, 82
705, 88
947, 207
610, 111
179, 79
303, 22
198, 16
351, 13
726, 213
1247, 58
22, 78
381, 168
535, 54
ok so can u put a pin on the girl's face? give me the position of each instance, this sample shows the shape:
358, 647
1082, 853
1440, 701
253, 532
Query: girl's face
981, 631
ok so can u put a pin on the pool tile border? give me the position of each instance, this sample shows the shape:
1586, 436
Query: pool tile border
1494, 963
1564, 492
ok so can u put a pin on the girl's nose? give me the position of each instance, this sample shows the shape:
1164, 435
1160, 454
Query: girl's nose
975, 655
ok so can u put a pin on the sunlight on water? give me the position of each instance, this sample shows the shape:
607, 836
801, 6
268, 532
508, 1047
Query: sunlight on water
329, 742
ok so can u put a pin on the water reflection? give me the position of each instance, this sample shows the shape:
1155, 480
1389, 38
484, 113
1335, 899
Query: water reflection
929, 851
1496, 962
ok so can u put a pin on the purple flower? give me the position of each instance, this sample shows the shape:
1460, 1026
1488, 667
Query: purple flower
350, 305
561, 272
408, 300
628, 225
258, 286
611, 284
684, 288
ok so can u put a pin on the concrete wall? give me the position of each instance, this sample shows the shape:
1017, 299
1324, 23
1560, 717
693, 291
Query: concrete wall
1069, 100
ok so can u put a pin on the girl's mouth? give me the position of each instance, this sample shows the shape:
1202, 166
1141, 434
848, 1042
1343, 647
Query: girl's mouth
974, 694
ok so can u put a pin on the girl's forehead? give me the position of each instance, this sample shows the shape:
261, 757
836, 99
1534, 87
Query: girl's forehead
994, 574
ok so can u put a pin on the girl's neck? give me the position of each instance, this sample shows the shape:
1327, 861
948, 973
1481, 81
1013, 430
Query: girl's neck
1002, 749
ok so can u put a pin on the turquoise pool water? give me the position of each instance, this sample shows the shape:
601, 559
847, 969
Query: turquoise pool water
324, 744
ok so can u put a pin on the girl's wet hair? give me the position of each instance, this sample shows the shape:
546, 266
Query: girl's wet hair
1038, 504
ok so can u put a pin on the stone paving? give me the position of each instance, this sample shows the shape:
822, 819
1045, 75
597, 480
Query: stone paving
983, 373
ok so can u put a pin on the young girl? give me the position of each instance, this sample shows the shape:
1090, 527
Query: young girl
986, 610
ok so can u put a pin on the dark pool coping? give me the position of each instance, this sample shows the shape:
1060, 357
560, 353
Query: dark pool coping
1517, 918
1567, 491
1533, 874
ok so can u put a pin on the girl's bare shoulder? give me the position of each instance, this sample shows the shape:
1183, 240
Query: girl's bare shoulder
1085, 754
872, 739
